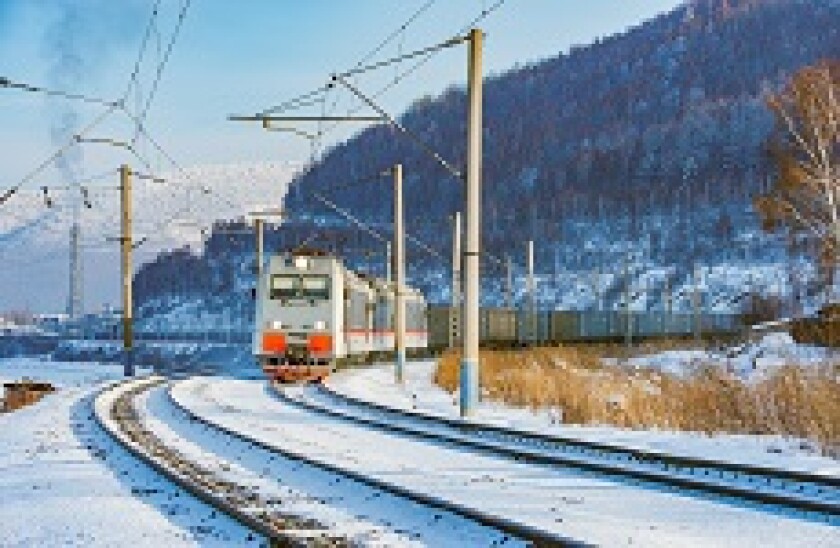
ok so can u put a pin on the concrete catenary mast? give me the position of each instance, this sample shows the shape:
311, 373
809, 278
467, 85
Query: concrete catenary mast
469, 364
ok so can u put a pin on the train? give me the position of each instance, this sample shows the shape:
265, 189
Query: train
518, 327
313, 314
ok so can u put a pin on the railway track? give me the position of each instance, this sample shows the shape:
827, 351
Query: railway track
115, 411
510, 530
815, 495
118, 415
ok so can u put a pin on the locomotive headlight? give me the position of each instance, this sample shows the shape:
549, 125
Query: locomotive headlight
276, 324
320, 325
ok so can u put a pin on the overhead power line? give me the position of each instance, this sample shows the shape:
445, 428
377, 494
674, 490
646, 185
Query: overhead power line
367, 229
302, 100
297, 101
411, 70
428, 149
7, 83
344, 213
400, 30
420, 63
182, 15
142, 52
90, 179
402, 58
55, 155
425, 54
269, 118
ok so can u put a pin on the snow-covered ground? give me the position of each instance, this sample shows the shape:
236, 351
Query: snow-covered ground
567, 502
365, 515
419, 393
63, 482
753, 360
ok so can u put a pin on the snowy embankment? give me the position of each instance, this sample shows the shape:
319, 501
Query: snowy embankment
419, 393
563, 501
364, 515
64, 482
750, 361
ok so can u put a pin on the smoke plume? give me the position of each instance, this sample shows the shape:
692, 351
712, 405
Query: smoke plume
77, 44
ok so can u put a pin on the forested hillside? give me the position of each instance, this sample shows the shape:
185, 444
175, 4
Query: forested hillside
667, 116
634, 157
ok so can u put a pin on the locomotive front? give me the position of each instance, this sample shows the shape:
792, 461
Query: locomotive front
298, 318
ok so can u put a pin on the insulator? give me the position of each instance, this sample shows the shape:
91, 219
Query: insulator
47, 200
86, 198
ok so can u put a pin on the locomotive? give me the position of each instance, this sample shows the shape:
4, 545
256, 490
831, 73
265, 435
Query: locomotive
313, 313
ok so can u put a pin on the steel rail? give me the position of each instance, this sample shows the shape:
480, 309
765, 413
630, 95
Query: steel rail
123, 426
536, 537
474, 436
639, 454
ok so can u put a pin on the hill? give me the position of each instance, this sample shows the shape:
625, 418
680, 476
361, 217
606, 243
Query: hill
37, 250
629, 162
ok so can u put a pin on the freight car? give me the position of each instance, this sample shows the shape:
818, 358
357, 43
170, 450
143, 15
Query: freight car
506, 327
312, 314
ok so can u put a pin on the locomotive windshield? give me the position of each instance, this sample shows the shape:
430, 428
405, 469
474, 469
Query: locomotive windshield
316, 287
284, 287
297, 287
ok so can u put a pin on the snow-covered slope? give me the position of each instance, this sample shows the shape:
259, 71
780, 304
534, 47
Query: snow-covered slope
34, 238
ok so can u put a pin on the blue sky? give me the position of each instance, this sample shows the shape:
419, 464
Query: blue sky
241, 56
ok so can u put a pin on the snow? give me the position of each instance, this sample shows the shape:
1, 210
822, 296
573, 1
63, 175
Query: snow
12, 328
365, 515
566, 502
64, 482
36, 237
752, 360
421, 394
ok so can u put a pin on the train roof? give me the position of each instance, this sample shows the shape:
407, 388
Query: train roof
308, 252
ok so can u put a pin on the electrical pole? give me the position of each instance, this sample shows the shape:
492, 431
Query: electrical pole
125, 252
531, 314
601, 289
668, 319
399, 275
509, 283
258, 230
629, 326
696, 303
455, 315
74, 300
469, 364
389, 261
260, 285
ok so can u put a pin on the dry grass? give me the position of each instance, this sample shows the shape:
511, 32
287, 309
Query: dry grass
794, 401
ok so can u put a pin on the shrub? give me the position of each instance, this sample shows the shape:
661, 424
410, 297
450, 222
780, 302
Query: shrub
791, 401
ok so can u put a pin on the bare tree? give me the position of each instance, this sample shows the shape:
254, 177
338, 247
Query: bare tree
806, 196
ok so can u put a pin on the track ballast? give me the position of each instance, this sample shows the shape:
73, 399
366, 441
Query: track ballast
116, 414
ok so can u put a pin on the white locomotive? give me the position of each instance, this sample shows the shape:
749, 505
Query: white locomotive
312, 313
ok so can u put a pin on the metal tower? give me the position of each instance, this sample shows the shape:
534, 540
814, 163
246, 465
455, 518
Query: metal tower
74, 296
